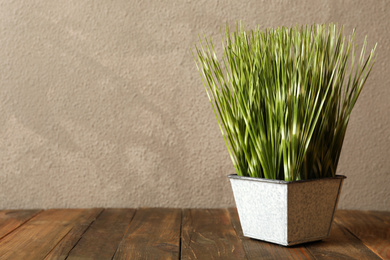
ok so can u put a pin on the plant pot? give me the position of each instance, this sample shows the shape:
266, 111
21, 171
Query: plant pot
286, 213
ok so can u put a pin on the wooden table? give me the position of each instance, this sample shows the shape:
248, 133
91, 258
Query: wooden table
158, 233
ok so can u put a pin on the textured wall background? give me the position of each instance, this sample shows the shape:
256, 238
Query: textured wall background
101, 104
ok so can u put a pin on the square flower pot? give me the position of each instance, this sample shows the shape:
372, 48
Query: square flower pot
286, 213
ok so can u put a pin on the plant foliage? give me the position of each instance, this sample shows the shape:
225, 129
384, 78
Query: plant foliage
283, 97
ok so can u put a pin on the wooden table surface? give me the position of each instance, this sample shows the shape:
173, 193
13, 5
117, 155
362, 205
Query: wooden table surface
159, 233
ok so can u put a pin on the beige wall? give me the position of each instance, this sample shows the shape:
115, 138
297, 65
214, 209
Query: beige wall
101, 104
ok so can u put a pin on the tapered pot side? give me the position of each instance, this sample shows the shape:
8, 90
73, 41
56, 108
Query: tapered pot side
286, 213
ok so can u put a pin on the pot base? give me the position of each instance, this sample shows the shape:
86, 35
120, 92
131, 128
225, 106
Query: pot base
286, 213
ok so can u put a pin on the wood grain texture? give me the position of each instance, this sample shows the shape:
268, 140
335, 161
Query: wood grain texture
256, 249
340, 245
372, 228
12, 219
154, 233
175, 234
62, 249
36, 238
209, 234
102, 238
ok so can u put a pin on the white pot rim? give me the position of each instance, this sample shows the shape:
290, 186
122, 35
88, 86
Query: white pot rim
235, 176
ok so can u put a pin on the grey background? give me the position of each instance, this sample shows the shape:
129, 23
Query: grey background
101, 104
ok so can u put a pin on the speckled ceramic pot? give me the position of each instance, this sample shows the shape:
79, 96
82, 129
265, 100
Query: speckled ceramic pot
286, 213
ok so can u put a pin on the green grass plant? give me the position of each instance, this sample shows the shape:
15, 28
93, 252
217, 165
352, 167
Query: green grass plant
283, 97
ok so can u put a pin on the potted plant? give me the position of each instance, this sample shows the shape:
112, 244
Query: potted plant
283, 98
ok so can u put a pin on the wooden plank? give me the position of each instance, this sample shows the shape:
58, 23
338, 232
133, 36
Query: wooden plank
209, 234
372, 228
36, 238
12, 219
256, 249
102, 238
340, 245
384, 215
62, 249
154, 233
